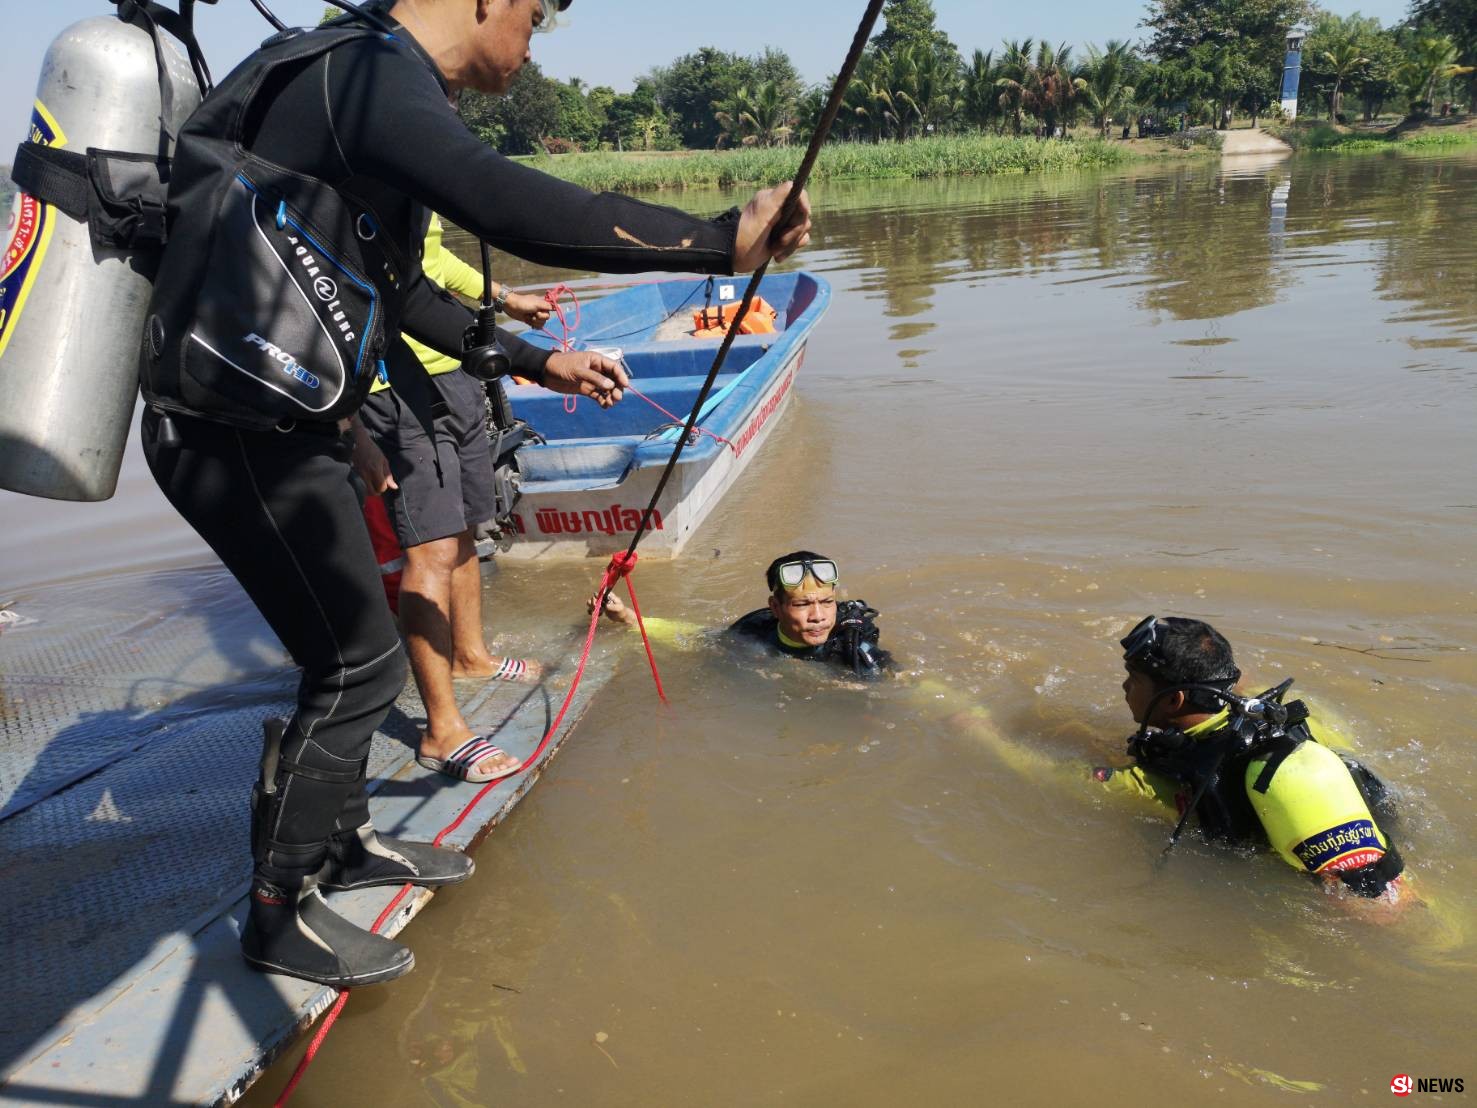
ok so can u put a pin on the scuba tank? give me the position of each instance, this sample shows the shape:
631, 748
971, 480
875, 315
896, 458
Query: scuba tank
1312, 811
83, 241
1263, 774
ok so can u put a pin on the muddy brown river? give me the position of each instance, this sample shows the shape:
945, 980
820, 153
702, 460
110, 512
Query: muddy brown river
1038, 410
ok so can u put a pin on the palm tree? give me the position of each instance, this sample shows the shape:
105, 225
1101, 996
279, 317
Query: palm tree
1345, 62
1015, 69
768, 114
1103, 86
1050, 88
926, 88
762, 117
978, 100
1430, 60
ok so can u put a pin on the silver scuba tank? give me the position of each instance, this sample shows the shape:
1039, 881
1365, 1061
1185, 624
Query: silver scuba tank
71, 315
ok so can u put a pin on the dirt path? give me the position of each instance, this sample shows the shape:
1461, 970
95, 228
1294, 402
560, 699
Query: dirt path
1254, 141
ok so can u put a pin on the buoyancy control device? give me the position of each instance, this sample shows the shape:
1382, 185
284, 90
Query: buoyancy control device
1264, 774
83, 240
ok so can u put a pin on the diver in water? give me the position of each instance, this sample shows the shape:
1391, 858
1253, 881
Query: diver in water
1250, 770
804, 618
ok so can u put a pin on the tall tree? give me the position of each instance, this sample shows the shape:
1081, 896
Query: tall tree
979, 99
1458, 20
913, 23
691, 85
1229, 51
1105, 89
1014, 73
1430, 61
1345, 63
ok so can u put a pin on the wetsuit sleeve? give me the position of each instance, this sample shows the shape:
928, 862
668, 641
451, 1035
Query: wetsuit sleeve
392, 123
528, 360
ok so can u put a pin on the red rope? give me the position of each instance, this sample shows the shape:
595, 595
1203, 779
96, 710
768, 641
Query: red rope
566, 341
297, 1074
679, 420
620, 566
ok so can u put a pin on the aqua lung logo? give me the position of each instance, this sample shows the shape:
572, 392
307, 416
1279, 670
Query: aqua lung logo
282, 357
325, 288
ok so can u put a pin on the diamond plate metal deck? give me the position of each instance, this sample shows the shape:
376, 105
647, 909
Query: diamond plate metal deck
123, 859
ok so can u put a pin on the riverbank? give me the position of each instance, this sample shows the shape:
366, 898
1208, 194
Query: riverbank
945, 156
1431, 135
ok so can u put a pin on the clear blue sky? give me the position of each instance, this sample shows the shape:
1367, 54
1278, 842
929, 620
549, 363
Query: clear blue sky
611, 43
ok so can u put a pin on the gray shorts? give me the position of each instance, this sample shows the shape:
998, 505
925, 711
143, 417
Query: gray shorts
431, 430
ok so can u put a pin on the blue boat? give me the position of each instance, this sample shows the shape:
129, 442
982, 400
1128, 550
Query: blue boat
584, 488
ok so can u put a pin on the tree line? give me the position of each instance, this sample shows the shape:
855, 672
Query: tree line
1199, 62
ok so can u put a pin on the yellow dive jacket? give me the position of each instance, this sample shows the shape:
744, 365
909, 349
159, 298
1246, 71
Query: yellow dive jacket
450, 272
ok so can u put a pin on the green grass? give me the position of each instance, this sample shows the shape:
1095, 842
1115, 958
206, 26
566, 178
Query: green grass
949, 156
1322, 138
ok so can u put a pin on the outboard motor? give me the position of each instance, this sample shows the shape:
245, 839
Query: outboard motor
84, 237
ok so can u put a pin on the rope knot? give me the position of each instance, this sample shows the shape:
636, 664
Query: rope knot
621, 565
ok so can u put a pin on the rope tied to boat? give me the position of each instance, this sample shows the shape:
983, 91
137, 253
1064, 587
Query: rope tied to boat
622, 565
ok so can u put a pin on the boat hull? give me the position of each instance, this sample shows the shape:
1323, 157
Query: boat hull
597, 523
584, 490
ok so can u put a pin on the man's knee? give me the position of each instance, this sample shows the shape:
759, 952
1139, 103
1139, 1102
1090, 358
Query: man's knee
436, 558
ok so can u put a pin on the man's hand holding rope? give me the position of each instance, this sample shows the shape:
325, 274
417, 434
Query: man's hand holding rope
585, 373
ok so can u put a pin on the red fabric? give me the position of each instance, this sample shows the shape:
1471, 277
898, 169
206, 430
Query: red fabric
387, 550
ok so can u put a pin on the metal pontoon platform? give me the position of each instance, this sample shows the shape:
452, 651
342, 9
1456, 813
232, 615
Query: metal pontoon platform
130, 723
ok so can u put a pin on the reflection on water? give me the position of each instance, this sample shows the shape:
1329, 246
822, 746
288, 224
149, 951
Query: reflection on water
1037, 410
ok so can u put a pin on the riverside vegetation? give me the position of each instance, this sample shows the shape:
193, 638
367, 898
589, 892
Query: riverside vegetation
942, 156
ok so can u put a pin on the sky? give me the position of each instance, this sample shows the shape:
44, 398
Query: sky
609, 43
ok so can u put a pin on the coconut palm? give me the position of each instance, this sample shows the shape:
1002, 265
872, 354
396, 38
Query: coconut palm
761, 117
926, 88
1015, 71
1051, 90
768, 114
979, 102
1345, 62
1102, 86
1430, 60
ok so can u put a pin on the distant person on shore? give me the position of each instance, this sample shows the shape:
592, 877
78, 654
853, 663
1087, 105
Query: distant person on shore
428, 457
804, 617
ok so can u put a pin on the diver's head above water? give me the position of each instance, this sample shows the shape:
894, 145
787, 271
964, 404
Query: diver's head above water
1161, 657
802, 597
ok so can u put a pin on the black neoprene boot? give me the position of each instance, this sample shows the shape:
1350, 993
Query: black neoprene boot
297, 934
363, 858
289, 927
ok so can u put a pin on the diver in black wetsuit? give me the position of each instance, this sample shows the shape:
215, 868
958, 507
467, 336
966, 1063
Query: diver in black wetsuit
299, 198
803, 619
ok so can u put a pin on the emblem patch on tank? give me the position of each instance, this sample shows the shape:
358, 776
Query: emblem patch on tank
1347, 846
29, 231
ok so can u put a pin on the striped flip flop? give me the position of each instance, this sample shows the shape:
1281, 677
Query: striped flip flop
511, 669
463, 762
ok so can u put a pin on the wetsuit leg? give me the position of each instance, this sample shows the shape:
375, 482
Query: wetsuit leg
279, 511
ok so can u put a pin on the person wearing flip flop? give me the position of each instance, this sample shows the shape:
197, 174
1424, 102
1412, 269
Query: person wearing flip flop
422, 446
804, 618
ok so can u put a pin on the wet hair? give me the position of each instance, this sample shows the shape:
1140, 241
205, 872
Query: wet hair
1189, 652
772, 574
